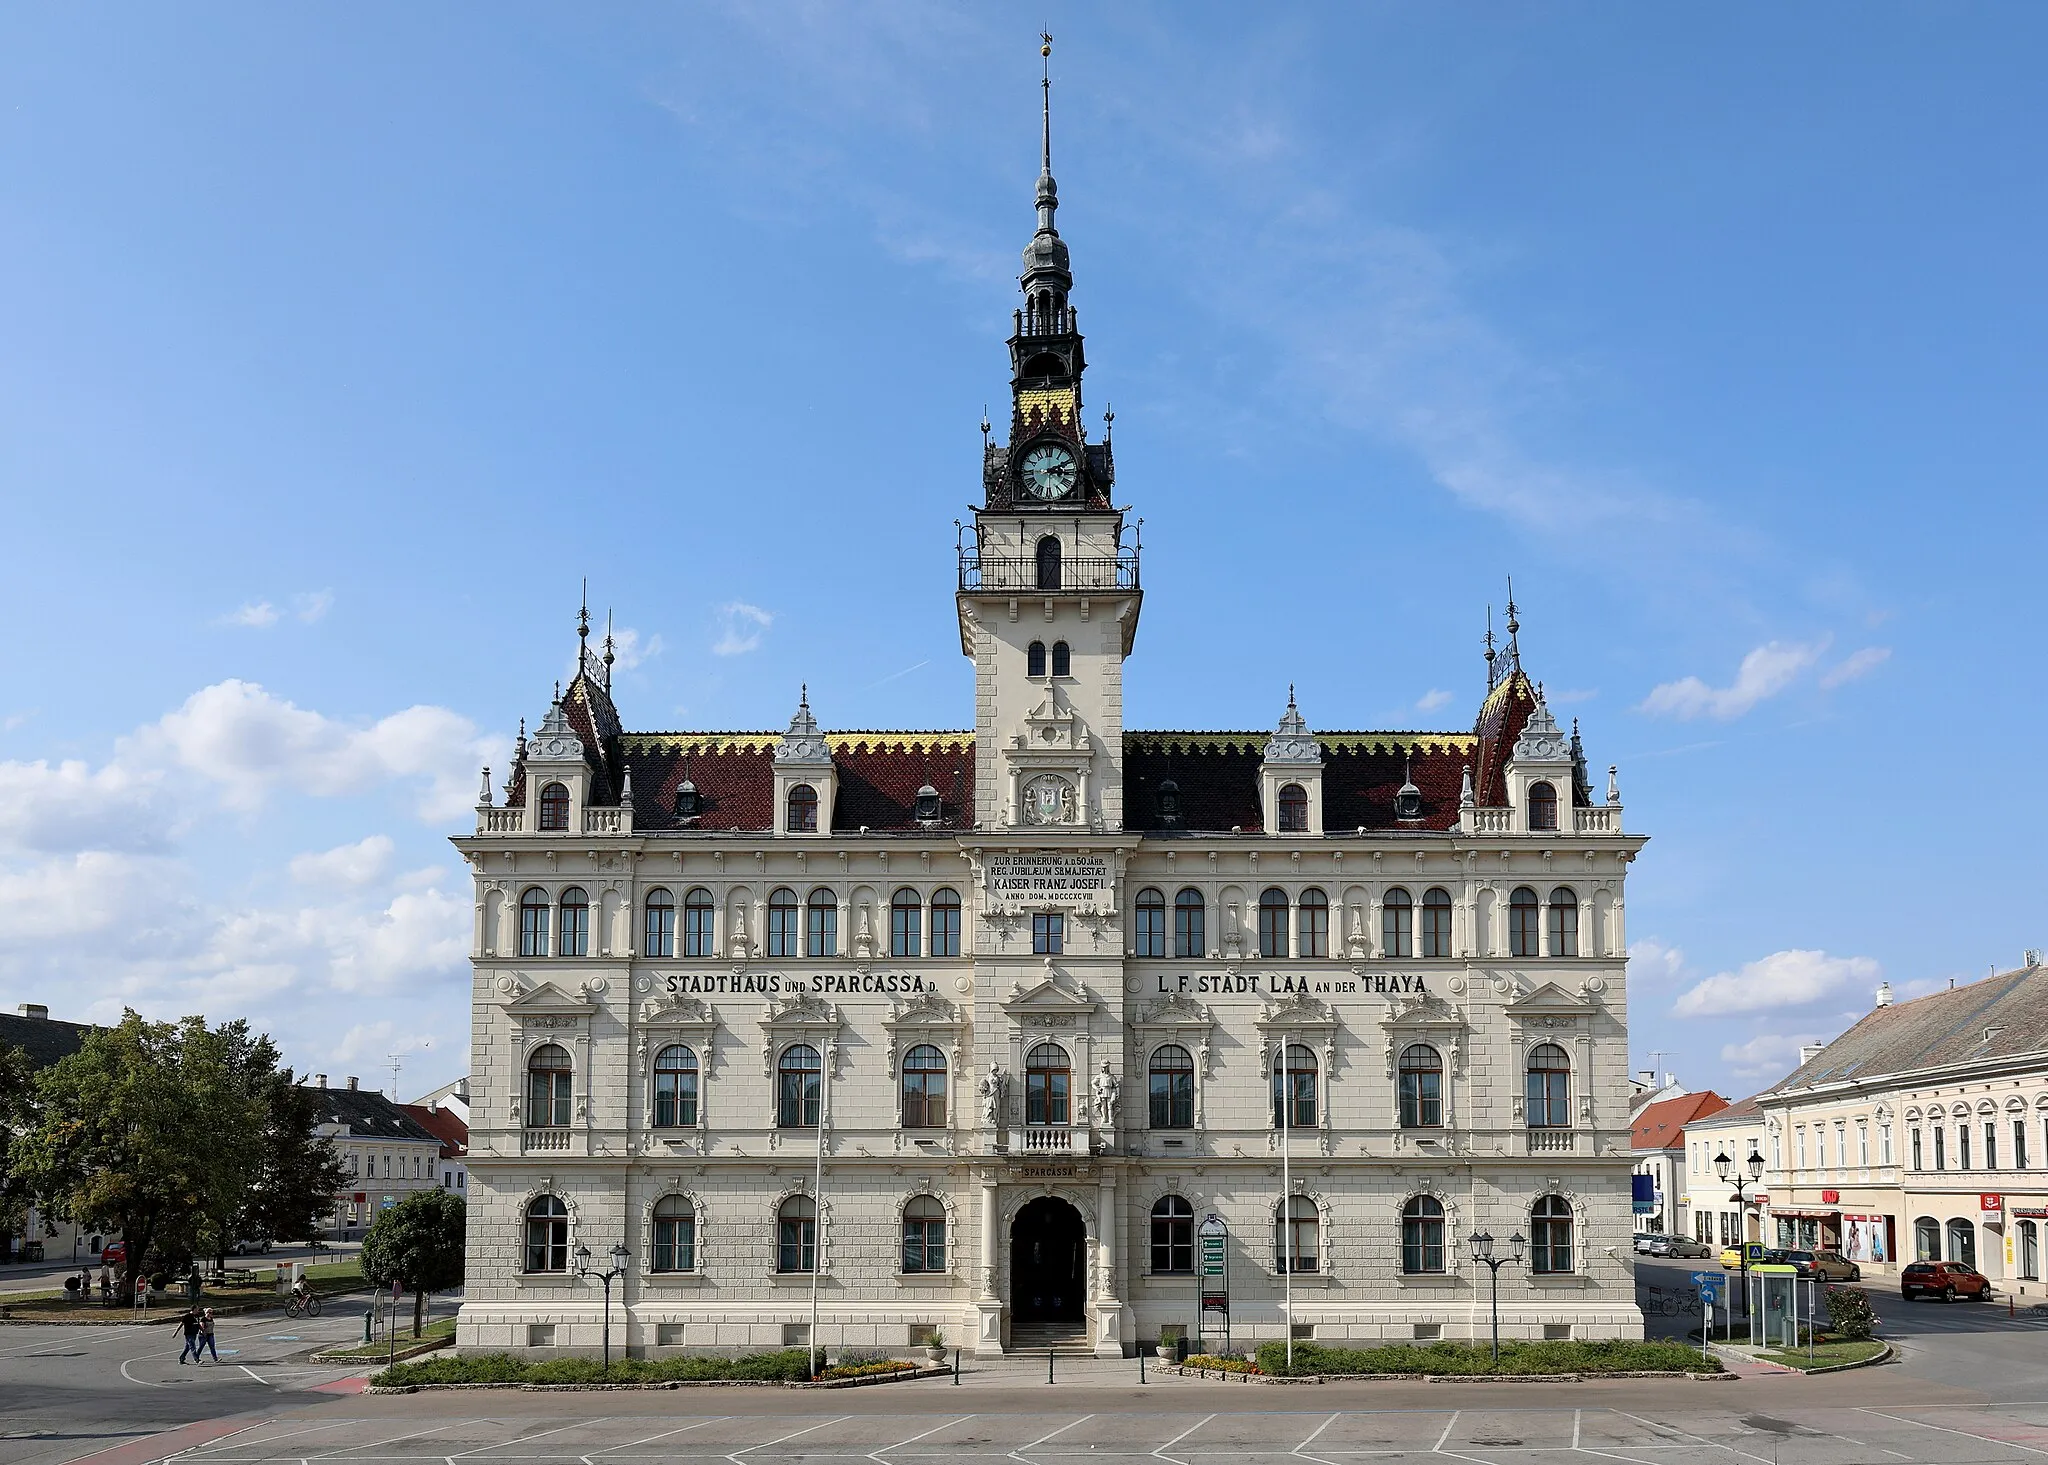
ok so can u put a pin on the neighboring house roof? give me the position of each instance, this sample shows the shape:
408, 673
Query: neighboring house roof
1734, 1113
2000, 1017
44, 1039
1217, 774
1661, 1126
445, 1125
369, 1115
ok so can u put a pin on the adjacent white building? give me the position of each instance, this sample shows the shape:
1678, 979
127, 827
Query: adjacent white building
974, 1030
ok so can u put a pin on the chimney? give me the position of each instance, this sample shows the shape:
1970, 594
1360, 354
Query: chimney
1807, 1053
352, 1082
35, 1010
2033, 957
1884, 994
319, 1080
1670, 1080
1648, 1077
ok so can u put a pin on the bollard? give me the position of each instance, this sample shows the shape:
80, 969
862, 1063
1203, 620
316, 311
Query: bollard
956, 1368
1141, 1363
1048, 1365
367, 1338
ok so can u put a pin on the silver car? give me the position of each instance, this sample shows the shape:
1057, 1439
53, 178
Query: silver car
1681, 1246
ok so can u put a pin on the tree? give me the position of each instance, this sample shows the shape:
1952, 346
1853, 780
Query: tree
297, 1176
17, 1114
418, 1244
163, 1130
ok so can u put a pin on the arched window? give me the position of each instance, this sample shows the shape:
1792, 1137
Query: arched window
547, 1087
554, 806
1550, 1236
675, 1088
1034, 660
1397, 924
1927, 1239
1273, 922
821, 923
1542, 806
675, 1235
784, 921
1048, 563
1173, 1237
1548, 1095
797, 1080
1294, 1088
1150, 939
1172, 1081
924, 1088
1048, 1083
547, 1234
803, 810
1422, 1235
906, 923
533, 923
661, 924
924, 1235
1188, 925
1564, 922
796, 1235
1962, 1241
699, 923
575, 937
1436, 922
1295, 1236
1312, 924
1062, 660
945, 921
1422, 1087
1293, 809
1524, 920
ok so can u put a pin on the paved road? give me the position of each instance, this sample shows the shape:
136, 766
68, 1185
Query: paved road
48, 1276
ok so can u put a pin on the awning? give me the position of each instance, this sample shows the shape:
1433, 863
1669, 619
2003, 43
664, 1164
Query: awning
1800, 1213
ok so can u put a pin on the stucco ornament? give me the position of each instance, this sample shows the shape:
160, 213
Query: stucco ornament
1105, 1088
991, 1091
1048, 799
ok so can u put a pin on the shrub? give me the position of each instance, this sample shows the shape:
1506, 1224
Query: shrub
1231, 1365
1608, 1356
872, 1366
502, 1368
1849, 1312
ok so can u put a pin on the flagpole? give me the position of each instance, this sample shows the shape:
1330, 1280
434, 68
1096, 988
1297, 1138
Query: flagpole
1287, 1192
818, 1202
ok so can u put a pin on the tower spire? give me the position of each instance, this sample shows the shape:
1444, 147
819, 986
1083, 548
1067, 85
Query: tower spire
1045, 58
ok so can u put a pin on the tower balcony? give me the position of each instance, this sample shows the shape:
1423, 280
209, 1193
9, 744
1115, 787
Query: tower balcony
1031, 576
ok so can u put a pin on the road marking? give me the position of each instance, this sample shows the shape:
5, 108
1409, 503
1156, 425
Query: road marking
357, 1449
735, 1455
1449, 1425
1161, 1454
1576, 1413
88, 1336
1318, 1430
540, 1435
134, 1380
1700, 1439
635, 1444
877, 1454
1982, 1439
1044, 1437
252, 1373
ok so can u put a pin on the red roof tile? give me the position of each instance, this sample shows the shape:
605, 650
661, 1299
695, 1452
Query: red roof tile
1661, 1126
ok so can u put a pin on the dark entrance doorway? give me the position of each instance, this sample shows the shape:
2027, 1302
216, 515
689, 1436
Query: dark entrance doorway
1048, 1264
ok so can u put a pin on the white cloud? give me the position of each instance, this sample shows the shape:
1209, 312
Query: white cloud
71, 806
257, 615
1434, 698
1650, 960
1766, 1056
348, 864
629, 651
1782, 979
311, 605
1861, 664
70, 897
1765, 672
740, 628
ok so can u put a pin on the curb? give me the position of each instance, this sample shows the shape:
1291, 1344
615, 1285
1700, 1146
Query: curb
1222, 1376
412, 1350
898, 1376
1890, 1353
168, 1312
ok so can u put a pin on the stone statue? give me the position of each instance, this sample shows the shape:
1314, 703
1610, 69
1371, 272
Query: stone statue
991, 1091
1105, 1087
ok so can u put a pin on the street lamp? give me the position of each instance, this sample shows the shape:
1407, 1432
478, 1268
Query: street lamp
1482, 1251
619, 1258
1725, 1168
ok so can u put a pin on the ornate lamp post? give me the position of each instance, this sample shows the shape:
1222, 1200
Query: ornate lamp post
1725, 1168
1481, 1243
619, 1258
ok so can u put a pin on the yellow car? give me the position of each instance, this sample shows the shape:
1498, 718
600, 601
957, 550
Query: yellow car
1731, 1257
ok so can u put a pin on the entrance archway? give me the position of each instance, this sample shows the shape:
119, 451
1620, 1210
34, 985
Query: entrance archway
1048, 1265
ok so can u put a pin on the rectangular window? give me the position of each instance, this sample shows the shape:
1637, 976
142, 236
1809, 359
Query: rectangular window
822, 930
1312, 927
533, 929
783, 918
1272, 928
2019, 1144
697, 928
1962, 1146
1048, 933
1862, 1143
1777, 1153
1799, 1147
1188, 925
1940, 1146
1884, 1144
1990, 1144
661, 929
1151, 934
1397, 926
906, 926
1841, 1147
945, 924
1916, 1148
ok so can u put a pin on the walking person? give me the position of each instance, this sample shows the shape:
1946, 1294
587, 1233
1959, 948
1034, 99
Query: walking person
206, 1335
190, 1323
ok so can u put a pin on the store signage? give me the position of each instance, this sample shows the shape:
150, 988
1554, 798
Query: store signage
1215, 1240
1991, 1206
1049, 880
1830, 1197
1282, 984
775, 984
1643, 1192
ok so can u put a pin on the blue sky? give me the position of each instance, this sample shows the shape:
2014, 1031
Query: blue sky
342, 342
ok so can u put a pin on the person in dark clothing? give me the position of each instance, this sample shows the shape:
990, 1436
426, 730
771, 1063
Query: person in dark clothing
190, 1323
206, 1336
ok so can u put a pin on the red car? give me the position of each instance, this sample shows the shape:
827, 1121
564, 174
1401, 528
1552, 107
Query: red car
1946, 1280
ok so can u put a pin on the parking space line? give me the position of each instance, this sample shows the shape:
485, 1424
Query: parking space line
1699, 1439
650, 1439
1982, 1439
735, 1455
1316, 1431
392, 1440
522, 1439
1161, 1454
1014, 1455
877, 1454
270, 1440
1449, 1425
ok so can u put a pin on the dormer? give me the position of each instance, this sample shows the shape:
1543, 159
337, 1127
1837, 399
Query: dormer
806, 783
557, 776
1539, 775
1291, 776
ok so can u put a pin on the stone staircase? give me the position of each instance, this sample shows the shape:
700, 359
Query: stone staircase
1041, 1338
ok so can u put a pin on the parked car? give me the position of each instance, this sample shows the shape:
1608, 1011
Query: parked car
114, 1253
1731, 1257
1829, 1266
249, 1245
1684, 1246
1946, 1280
1646, 1242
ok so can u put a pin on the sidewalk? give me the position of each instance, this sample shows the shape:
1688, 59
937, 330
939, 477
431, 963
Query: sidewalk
1741, 1360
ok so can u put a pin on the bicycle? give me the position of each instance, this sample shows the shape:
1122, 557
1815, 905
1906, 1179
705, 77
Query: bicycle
307, 1306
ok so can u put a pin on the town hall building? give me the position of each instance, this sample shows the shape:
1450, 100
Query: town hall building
1047, 1031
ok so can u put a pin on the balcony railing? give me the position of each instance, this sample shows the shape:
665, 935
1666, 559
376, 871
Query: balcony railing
607, 821
1491, 821
1552, 1141
1599, 819
500, 821
1048, 1140
1068, 577
540, 1140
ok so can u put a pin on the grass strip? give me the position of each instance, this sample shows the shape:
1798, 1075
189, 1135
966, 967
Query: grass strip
1454, 1358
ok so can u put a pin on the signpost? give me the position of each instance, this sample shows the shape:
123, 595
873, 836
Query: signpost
1215, 1241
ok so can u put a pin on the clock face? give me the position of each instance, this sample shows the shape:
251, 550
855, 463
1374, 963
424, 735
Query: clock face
1050, 472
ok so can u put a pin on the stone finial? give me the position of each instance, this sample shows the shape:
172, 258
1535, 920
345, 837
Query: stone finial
1465, 796
803, 743
626, 790
1613, 784
483, 795
1292, 742
1541, 740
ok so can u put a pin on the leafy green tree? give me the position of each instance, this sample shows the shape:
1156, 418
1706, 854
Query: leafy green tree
162, 1130
17, 1114
418, 1244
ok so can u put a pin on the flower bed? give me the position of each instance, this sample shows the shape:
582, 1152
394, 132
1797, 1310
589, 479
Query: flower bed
870, 1369
1215, 1363
787, 1365
1476, 1359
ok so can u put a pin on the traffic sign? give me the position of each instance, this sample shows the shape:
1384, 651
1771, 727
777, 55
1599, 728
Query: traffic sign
1710, 1295
1705, 1279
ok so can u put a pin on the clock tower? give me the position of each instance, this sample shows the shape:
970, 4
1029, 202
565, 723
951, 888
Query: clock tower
1049, 591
